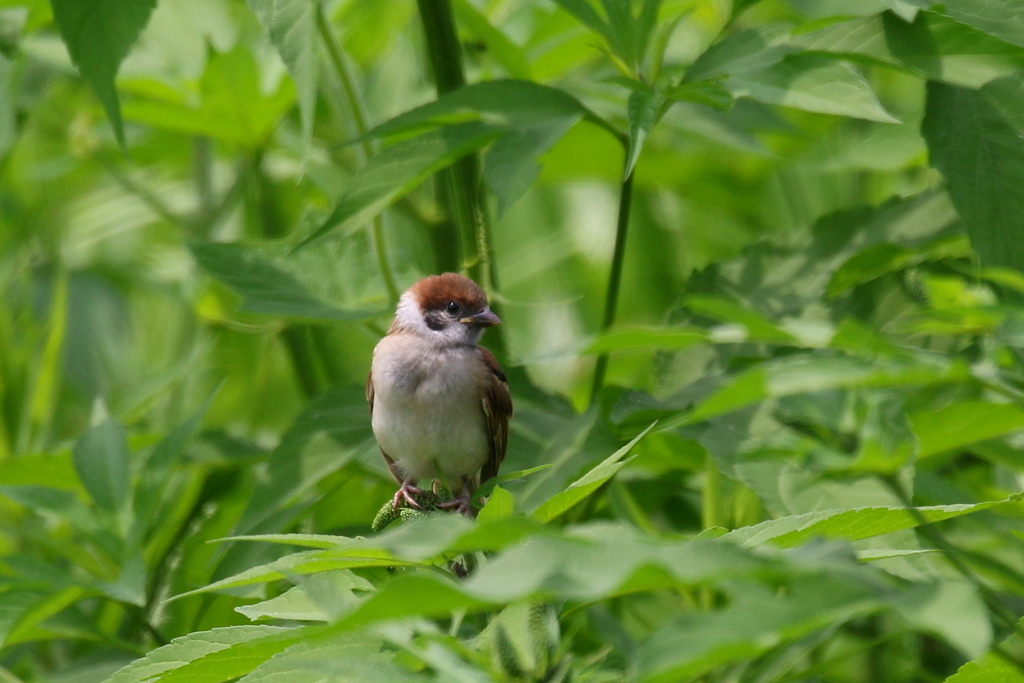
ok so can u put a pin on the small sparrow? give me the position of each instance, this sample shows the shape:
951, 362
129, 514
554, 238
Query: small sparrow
439, 403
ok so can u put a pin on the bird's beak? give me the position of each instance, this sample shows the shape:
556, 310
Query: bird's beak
484, 318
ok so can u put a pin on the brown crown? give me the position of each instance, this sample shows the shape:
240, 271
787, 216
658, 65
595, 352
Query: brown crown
437, 290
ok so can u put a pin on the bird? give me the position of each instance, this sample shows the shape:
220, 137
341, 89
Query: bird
439, 403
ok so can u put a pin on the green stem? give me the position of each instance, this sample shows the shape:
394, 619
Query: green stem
359, 119
460, 185
614, 279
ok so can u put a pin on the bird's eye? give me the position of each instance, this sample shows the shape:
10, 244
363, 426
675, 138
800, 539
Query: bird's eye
453, 308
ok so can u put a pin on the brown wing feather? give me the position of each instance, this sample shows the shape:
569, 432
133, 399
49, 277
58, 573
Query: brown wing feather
497, 403
392, 467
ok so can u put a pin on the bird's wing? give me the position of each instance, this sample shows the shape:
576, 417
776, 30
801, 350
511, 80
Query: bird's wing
388, 460
497, 404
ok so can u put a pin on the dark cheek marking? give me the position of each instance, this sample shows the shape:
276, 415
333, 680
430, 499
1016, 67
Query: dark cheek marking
434, 321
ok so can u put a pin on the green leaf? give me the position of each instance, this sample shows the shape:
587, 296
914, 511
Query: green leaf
752, 49
587, 484
850, 525
993, 667
803, 374
812, 83
710, 93
755, 325
1001, 18
410, 595
499, 506
327, 434
962, 424
508, 103
981, 155
237, 659
932, 46
333, 658
631, 339
872, 263
302, 564
291, 26
130, 586
102, 462
398, 170
161, 460
275, 280
533, 118
643, 110
755, 621
508, 54
305, 603
232, 106
98, 35
586, 15
951, 610
181, 651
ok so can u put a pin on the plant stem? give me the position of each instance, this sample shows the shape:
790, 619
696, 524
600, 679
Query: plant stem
614, 279
359, 119
460, 187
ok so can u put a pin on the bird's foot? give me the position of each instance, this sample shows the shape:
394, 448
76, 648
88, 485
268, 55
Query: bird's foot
461, 503
405, 493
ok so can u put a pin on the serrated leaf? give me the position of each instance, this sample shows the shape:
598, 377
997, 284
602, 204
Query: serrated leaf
188, 648
812, 83
291, 26
102, 462
932, 46
273, 280
398, 170
333, 658
533, 117
850, 525
98, 35
803, 374
587, 484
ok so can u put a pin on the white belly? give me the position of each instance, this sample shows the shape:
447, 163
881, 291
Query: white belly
428, 417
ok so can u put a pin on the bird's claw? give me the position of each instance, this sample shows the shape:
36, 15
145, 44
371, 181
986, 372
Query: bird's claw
461, 504
405, 493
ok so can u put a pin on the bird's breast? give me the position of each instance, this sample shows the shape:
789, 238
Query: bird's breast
427, 412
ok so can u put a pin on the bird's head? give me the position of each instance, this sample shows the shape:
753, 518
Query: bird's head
449, 309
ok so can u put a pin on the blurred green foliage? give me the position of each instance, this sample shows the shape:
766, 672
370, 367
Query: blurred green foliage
760, 268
